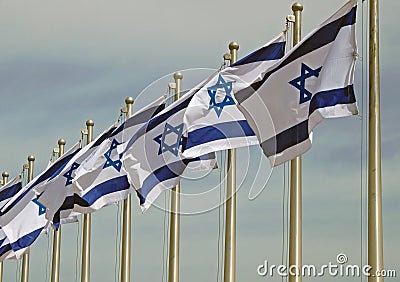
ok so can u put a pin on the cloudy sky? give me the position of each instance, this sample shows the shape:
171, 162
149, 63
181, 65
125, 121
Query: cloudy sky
63, 62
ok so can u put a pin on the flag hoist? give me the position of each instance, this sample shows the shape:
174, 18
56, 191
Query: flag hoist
375, 233
5, 176
85, 272
295, 231
55, 263
230, 206
174, 232
126, 220
25, 258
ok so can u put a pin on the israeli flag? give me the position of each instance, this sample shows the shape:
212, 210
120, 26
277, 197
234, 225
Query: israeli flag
311, 82
102, 180
6, 193
212, 118
57, 194
23, 217
152, 156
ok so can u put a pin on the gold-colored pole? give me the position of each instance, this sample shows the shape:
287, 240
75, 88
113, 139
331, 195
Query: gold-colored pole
295, 233
5, 176
126, 221
174, 231
230, 208
25, 257
85, 272
375, 230
55, 263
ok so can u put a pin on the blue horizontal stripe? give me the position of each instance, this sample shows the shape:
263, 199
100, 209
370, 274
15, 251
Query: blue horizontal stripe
10, 191
26, 240
137, 119
218, 131
110, 186
320, 38
4, 249
103, 137
286, 139
332, 97
273, 51
167, 172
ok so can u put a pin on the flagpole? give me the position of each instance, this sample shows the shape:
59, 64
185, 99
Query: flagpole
295, 233
375, 233
5, 176
85, 272
55, 263
126, 221
230, 208
174, 232
25, 257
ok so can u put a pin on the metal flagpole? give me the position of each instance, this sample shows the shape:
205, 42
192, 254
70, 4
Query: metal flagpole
230, 208
85, 272
295, 233
375, 236
25, 257
5, 176
174, 231
55, 263
126, 221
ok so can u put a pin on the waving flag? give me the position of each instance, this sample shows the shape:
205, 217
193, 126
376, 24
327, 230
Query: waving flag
23, 217
57, 194
311, 82
152, 156
102, 180
212, 118
6, 193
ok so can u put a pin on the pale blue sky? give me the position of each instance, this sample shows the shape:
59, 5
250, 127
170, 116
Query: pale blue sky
63, 62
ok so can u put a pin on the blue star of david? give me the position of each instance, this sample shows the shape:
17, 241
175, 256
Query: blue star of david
212, 91
117, 164
68, 174
300, 82
42, 208
174, 147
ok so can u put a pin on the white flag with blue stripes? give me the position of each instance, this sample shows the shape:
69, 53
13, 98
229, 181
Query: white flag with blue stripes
212, 118
23, 217
311, 82
57, 194
152, 157
6, 193
102, 180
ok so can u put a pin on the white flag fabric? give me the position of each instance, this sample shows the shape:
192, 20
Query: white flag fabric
6, 193
57, 194
311, 82
101, 180
212, 118
152, 156
23, 217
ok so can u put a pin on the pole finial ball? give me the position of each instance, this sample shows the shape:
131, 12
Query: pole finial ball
61, 141
233, 46
178, 75
31, 158
5, 174
129, 100
297, 7
89, 122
